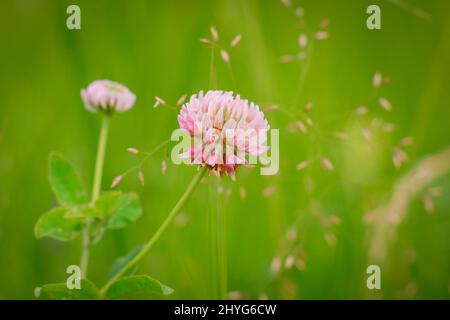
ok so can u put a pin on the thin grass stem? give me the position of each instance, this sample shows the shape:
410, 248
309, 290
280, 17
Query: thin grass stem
185, 196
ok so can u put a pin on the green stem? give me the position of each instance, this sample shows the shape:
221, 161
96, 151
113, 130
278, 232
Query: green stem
212, 73
221, 227
101, 149
100, 158
190, 189
85, 252
212, 219
217, 233
303, 72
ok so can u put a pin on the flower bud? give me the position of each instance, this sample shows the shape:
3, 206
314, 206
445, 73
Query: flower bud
106, 95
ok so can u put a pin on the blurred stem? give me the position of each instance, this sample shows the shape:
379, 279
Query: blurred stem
212, 224
85, 252
233, 79
390, 215
212, 71
190, 189
218, 250
101, 149
304, 67
221, 227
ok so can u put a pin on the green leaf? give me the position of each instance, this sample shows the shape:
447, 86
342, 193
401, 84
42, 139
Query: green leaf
127, 210
106, 204
122, 261
53, 224
118, 208
77, 212
136, 284
59, 291
64, 181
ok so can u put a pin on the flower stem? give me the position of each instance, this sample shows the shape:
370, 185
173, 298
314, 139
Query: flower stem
101, 149
85, 252
221, 228
190, 189
212, 217
218, 248
100, 158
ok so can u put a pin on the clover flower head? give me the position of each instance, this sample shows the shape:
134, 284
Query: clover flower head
227, 131
108, 96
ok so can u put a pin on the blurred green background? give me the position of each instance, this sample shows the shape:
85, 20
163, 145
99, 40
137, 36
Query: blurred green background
153, 48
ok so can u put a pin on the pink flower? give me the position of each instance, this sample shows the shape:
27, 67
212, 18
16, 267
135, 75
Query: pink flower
108, 96
227, 131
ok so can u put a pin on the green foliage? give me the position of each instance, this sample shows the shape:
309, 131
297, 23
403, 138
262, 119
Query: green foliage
136, 284
120, 289
105, 205
55, 225
113, 209
65, 182
59, 291
126, 209
122, 261
117, 209
77, 211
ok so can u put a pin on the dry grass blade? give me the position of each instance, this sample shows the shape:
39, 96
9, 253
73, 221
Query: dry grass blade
386, 217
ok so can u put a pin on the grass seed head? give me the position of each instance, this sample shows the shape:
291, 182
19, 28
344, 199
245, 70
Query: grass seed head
214, 34
205, 41
399, 157
385, 104
361, 110
225, 56
236, 40
287, 58
377, 80
269, 191
301, 126
406, 141
289, 262
302, 165
303, 41
164, 167
158, 102
181, 100
321, 35
141, 178
133, 150
324, 23
326, 164
116, 181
